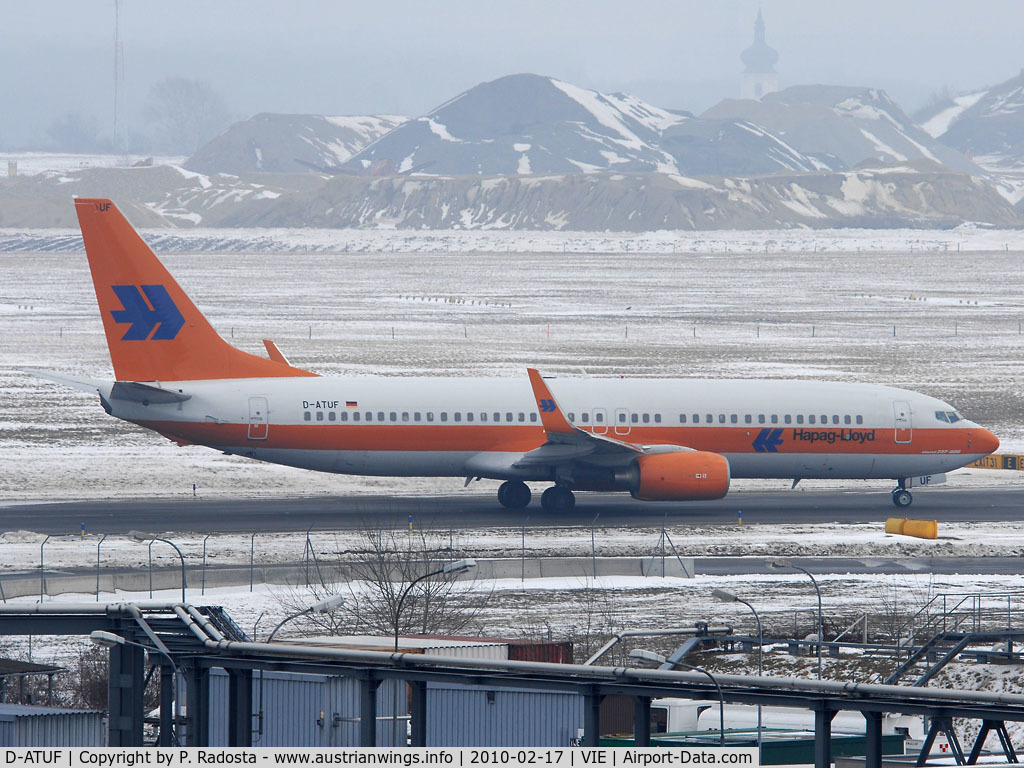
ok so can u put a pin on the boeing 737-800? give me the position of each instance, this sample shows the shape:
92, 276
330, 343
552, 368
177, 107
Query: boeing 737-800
658, 439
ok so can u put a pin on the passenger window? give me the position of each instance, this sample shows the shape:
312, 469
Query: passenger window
800, 418
835, 418
430, 415
810, 419
344, 415
647, 418
332, 416
533, 417
721, 418
319, 415
760, 418
508, 416
416, 416
734, 419
380, 416
846, 419
469, 416
394, 416
657, 418
622, 418
405, 415
458, 415
585, 417
571, 416
709, 418
369, 415
824, 419
634, 417
682, 418
497, 416
307, 416
355, 415
598, 417
748, 419
522, 416
444, 415
860, 419
787, 418
696, 418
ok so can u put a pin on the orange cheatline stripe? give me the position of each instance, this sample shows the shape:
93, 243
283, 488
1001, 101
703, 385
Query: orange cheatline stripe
526, 437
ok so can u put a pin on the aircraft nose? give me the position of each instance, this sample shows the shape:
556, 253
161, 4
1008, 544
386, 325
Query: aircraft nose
983, 441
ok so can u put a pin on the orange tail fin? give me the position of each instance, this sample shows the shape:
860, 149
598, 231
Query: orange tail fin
154, 331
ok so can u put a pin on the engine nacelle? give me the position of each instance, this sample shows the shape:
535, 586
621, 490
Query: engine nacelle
680, 476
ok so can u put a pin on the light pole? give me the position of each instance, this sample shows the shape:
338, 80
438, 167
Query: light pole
729, 597
324, 605
657, 658
109, 640
783, 563
459, 566
148, 537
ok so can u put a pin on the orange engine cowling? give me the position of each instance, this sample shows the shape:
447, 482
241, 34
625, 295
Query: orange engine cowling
681, 476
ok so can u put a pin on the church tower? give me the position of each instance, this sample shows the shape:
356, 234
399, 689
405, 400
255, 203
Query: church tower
759, 75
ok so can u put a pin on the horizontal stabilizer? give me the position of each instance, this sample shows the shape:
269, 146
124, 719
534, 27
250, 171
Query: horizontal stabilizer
92, 386
146, 393
274, 353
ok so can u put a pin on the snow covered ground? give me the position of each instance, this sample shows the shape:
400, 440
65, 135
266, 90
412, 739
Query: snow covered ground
32, 163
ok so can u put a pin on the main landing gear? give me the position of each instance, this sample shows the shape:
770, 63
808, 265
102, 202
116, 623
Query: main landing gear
557, 500
513, 494
901, 497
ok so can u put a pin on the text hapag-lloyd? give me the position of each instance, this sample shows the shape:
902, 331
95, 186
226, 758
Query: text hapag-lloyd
834, 436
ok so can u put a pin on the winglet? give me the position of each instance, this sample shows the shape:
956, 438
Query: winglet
551, 415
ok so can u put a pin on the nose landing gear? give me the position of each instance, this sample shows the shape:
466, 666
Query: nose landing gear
901, 497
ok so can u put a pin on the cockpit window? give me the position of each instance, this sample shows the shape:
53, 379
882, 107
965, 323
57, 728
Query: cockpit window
941, 416
953, 416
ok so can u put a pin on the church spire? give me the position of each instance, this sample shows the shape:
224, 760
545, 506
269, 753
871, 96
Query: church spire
759, 60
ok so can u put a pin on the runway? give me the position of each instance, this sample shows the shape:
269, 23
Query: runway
289, 514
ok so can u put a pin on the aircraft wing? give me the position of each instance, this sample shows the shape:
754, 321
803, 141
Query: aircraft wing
566, 442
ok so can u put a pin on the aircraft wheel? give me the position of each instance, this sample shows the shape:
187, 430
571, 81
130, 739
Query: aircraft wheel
557, 500
902, 497
514, 494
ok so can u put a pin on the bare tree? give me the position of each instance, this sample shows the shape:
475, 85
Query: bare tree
385, 575
185, 113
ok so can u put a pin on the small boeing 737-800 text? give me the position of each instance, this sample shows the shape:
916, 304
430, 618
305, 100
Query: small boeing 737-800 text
658, 439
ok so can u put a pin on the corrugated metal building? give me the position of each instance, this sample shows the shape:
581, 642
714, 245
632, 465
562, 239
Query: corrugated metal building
25, 726
506, 717
302, 710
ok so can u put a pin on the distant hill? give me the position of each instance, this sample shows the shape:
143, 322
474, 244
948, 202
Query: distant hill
988, 125
289, 143
529, 124
634, 202
842, 126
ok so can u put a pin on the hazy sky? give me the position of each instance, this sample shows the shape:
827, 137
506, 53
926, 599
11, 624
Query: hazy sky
407, 56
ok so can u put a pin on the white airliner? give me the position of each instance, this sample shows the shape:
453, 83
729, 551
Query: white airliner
658, 439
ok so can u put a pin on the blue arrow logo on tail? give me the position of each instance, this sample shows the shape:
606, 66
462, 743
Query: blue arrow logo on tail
145, 316
546, 406
768, 440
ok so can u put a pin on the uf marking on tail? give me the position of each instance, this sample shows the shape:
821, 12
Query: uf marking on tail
143, 316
